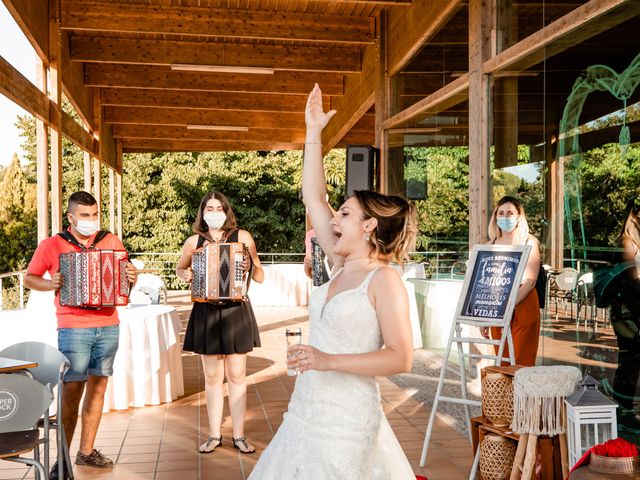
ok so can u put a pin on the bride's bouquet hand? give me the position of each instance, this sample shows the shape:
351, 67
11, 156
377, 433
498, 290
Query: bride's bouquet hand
307, 358
314, 117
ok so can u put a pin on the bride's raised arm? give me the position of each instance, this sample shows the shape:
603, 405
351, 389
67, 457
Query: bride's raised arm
314, 183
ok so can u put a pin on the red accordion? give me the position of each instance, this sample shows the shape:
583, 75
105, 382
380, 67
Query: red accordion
217, 273
94, 278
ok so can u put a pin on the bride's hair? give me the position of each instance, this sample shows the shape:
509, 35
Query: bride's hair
395, 235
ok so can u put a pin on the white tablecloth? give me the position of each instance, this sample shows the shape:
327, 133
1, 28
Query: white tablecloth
148, 365
285, 284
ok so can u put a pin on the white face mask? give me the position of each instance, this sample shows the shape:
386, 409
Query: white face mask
87, 227
214, 219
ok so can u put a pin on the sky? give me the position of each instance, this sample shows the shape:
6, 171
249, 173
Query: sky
16, 50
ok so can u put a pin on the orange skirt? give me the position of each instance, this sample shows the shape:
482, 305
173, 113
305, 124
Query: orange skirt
525, 330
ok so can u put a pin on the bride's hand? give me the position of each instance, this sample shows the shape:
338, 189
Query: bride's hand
314, 117
305, 357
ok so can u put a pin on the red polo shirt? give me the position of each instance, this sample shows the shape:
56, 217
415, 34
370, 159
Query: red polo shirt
47, 259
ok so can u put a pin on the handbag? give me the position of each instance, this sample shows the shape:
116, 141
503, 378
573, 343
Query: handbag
541, 286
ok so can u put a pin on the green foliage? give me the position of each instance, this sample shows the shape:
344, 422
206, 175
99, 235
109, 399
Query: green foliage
18, 223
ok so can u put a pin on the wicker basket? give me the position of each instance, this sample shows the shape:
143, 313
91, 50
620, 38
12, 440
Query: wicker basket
617, 465
496, 457
497, 399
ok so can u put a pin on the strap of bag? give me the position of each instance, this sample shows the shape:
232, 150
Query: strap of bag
73, 241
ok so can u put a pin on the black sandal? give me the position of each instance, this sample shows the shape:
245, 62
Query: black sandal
206, 447
243, 442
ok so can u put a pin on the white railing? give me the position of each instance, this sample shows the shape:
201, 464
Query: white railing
438, 264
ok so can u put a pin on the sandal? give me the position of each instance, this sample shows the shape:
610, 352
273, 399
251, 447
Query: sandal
206, 447
245, 446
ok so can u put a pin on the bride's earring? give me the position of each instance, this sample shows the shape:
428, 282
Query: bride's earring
367, 237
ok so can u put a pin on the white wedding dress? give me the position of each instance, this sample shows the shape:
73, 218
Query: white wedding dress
335, 428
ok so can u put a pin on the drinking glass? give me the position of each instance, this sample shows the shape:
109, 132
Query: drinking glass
293, 337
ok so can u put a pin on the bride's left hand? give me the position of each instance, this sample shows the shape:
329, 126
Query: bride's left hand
305, 357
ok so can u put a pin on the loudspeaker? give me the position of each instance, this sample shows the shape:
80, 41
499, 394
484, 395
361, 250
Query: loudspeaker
360, 167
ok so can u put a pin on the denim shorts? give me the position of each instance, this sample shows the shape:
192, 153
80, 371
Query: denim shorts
90, 351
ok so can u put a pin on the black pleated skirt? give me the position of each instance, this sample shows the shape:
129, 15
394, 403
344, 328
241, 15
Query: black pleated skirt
221, 329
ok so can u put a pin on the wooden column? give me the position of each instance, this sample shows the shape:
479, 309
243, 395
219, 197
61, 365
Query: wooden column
118, 173
87, 172
480, 120
112, 201
391, 161
42, 160
119, 205
505, 90
97, 185
55, 93
556, 224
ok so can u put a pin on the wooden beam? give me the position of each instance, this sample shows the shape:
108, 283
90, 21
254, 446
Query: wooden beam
32, 18
256, 102
134, 76
410, 29
151, 132
17, 88
161, 52
112, 201
145, 145
358, 99
22, 92
441, 100
215, 22
586, 21
87, 171
183, 117
81, 97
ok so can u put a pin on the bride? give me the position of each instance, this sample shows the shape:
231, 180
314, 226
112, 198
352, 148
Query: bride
335, 428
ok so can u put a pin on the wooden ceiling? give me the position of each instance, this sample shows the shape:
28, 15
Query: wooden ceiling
143, 56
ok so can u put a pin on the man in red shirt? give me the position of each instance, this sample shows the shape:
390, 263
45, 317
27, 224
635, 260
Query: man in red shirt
88, 338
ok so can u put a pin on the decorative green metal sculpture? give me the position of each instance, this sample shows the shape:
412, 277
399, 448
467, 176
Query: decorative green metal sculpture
597, 78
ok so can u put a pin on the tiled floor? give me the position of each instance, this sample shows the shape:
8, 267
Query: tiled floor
160, 442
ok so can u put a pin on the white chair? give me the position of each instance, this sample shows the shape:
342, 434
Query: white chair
562, 286
52, 365
24, 401
586, 297
151, 285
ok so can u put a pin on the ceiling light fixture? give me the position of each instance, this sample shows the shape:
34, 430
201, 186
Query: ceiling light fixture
227, 128
186, 67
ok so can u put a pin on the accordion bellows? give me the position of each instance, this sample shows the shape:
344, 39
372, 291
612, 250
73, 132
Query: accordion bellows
217, 274
94, 278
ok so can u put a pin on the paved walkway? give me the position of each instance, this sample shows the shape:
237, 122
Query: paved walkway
160, 442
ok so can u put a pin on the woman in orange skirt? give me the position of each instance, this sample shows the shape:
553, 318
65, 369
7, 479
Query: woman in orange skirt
508, 226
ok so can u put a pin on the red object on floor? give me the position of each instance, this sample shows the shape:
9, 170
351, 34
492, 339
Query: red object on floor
420, 477
618, 447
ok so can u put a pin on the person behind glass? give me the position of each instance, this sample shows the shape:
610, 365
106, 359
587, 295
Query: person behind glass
222, 333
334, 427
87, 337
508, 226
625, 311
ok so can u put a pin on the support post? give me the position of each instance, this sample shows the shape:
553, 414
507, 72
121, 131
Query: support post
480, 118
119, 205
97, 185
55, 94
42, 160
87, 172
112, 201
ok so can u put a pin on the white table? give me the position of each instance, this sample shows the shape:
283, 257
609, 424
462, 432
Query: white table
147, 369
285, 284
148, 365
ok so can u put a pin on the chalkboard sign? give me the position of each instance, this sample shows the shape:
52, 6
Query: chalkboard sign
491, 282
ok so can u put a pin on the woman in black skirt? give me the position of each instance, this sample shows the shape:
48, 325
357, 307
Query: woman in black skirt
222, 333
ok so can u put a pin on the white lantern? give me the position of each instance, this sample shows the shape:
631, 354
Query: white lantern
591, 419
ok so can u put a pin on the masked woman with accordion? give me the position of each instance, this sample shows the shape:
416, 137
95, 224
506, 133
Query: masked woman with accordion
223, 331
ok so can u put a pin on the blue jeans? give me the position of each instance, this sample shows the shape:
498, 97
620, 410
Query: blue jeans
90, 351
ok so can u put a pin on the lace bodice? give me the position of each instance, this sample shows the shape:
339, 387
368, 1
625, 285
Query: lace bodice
332, 427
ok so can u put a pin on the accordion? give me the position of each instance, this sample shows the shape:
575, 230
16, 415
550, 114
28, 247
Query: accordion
94, 278
217, 273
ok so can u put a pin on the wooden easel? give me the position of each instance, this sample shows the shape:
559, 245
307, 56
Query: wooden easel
465, 316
